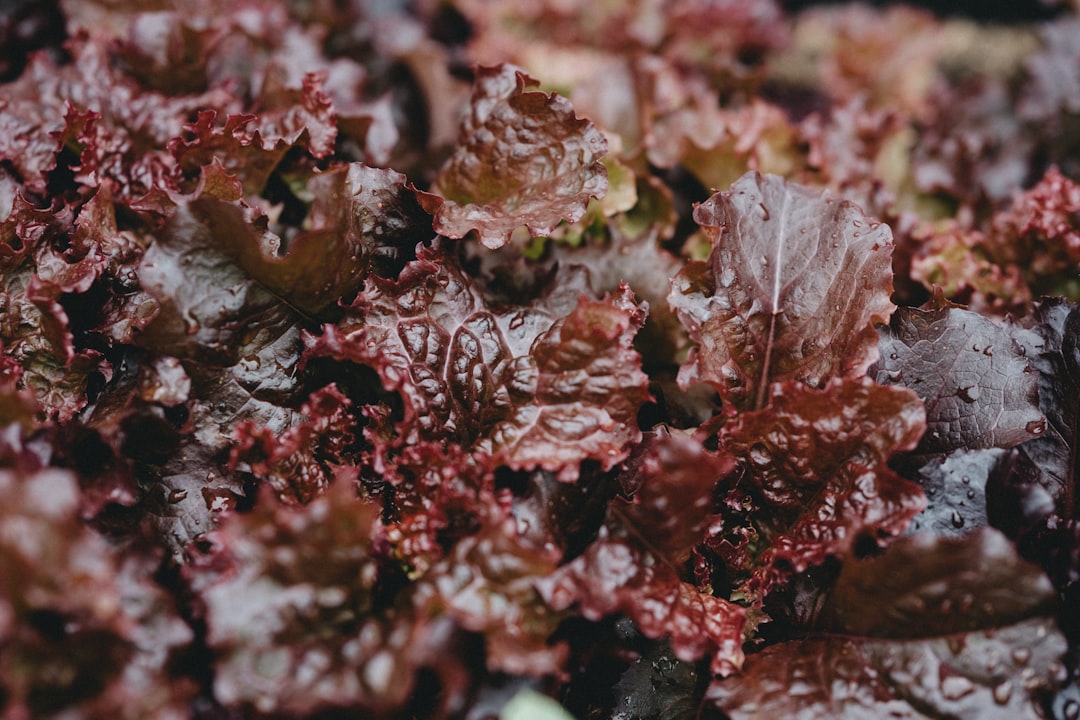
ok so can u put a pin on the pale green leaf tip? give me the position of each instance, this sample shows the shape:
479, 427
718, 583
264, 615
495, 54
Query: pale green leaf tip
531, 705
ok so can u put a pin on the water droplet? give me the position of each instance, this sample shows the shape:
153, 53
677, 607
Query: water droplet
970, 494
966, 480
517, 321
968, 394
1036, 427
955, 687
957, 520
988, 351
759, 455
177, 495
1002, 692
1021, 656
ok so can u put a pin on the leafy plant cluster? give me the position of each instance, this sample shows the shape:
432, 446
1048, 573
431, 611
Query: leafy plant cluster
684, 359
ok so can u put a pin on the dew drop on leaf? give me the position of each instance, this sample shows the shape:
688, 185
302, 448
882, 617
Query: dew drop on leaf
1002, 692
1036, 427
968, 394
955, 687
957, 520
759, 455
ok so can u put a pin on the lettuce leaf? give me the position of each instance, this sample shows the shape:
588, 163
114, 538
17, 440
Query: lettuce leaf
522, 158
793, 286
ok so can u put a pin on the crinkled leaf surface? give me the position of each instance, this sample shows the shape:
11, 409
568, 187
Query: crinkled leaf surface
522, 159
252, 145
792, 288
658, 686
933, 628
295, 462
978, 386
545, 385
633, 566
640, 261
239, 344
286, 616
814, 462
487, 584
39, 264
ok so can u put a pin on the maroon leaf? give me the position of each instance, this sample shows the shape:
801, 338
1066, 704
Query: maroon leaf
522, 159
487, 584
791, 291
633, 566
251, 145
292, 590
358, 214
296, 463
546, 385
816, 459
85, 630
40, 264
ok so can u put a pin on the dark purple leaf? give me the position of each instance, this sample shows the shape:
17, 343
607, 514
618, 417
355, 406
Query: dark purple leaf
927, 586
978, 386
522, 159
1057, 359
932, 628
791, 291
956, 487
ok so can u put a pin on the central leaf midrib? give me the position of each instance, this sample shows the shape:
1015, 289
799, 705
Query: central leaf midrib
762, 391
